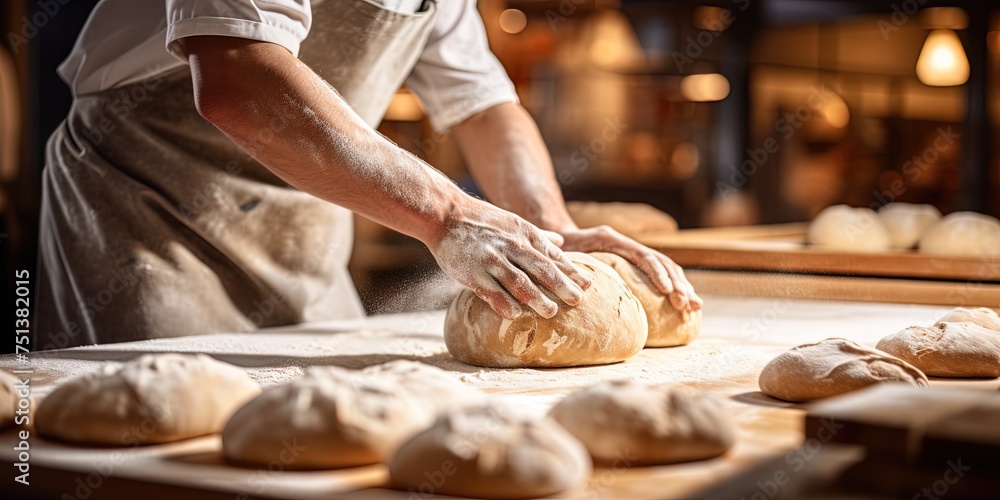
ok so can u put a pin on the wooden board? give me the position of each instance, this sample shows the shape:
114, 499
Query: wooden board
194, 470
782, 248
793, 286
894, 420
911, 434
739, 336
194, 467
806, 472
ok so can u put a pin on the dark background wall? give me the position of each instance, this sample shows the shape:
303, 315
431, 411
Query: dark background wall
39, 35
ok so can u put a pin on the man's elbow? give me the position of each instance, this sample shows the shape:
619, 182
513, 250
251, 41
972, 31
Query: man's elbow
214, 103
216, 74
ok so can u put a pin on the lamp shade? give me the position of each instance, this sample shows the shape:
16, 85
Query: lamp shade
942, 60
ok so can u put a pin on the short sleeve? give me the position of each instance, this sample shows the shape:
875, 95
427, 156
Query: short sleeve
456, 75
283, 22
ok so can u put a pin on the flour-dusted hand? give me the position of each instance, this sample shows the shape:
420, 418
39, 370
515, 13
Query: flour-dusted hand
507, 261
665, 274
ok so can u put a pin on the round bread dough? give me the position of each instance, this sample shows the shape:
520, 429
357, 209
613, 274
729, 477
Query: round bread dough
982, 316
906, 222
668, 326
963, 234
429, 385
490, 452
947, 349
646, 425
608, 326
156, 398
630, 219
8, 399
832, 367
849, 229
327, 418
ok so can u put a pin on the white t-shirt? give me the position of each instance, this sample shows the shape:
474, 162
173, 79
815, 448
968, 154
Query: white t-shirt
127, 41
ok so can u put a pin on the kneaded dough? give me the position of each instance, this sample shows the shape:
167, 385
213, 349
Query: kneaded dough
156, 398
638, 424
8, 399
963, 234
668, 326
608, 326
326, 418
332, 417
907, 222
630, 219
429, 385
947, 349
982, 316
849, 229
490, 452
832, 367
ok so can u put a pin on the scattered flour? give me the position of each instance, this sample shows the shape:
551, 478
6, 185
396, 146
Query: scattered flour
725, 358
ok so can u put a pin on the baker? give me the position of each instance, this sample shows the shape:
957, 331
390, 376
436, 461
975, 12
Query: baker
205, 176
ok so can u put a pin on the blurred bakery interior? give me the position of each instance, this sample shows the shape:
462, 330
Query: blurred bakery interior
718, 113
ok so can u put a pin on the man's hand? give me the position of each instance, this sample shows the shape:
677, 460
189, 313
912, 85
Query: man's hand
665, 274
504, 259
509, 161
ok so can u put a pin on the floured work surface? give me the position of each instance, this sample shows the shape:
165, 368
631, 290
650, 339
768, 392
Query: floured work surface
739, 336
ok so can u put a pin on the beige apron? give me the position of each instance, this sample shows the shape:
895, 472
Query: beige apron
155, 224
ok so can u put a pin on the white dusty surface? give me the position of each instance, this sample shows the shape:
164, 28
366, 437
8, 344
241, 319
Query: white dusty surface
739, 336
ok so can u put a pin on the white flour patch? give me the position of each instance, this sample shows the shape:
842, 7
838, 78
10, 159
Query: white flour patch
504, 325
520, 343
554, 342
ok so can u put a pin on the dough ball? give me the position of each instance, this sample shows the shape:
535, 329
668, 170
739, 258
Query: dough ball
948, 349
982, 316
849, 229
668, 326
608, 326
327, 418
630, 219
963, 234
832, 367
490, 452
8, 399
156, 398
429, 385
644, 424
906, 222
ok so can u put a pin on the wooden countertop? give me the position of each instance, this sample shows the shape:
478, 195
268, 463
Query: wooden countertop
739, 336
774, 261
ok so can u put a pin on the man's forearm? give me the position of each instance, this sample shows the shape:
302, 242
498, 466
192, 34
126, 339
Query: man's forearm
291, 121
510, 163
296, 125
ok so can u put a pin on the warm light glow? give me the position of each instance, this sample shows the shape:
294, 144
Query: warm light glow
942, 61
405, 107
513, 21
835, 112
705, 88
684, 160
613, 42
